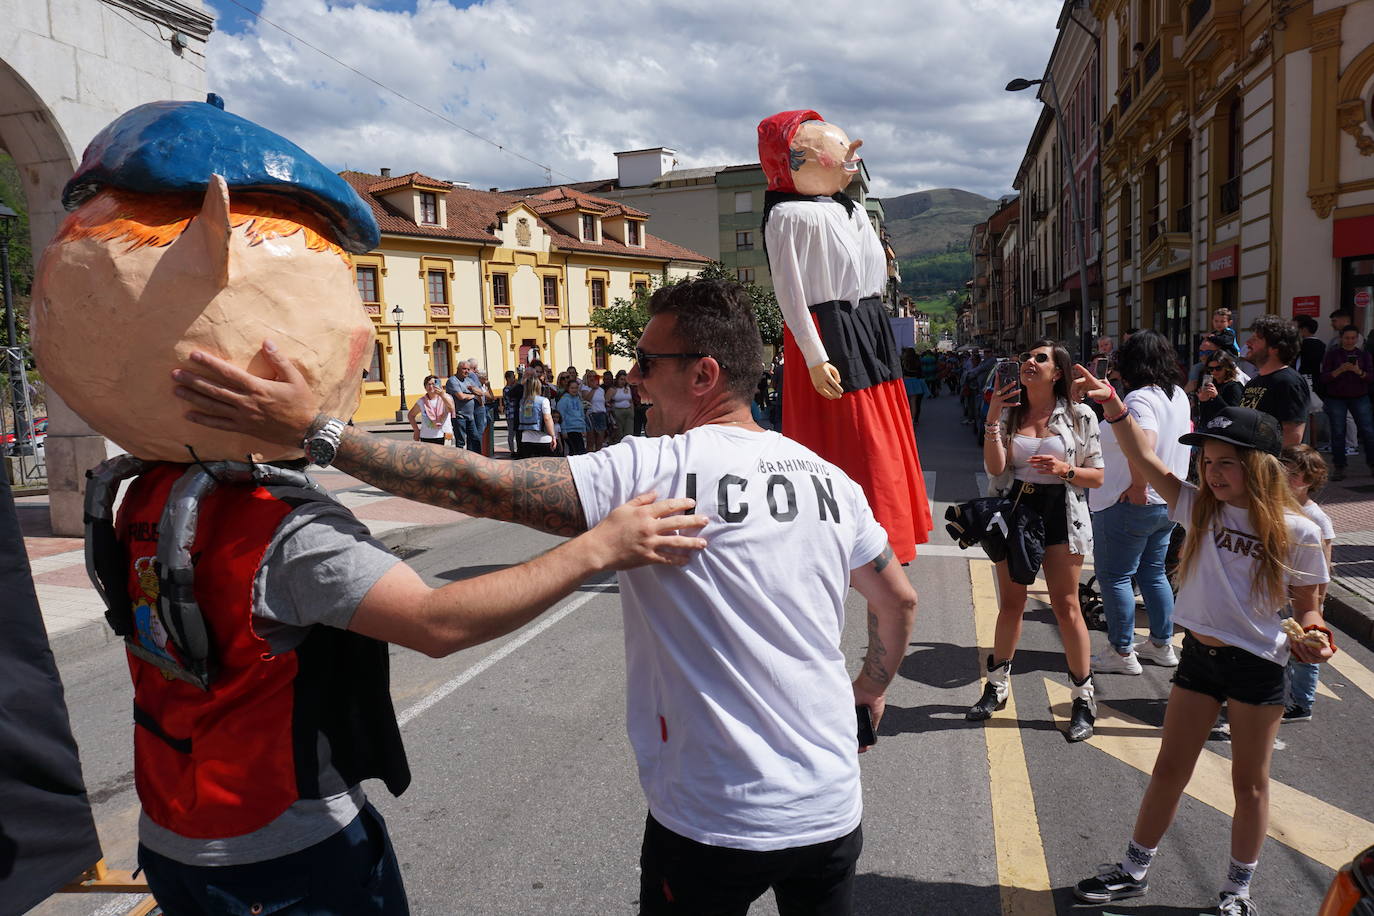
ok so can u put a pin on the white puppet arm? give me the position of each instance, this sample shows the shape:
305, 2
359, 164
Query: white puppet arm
791, 236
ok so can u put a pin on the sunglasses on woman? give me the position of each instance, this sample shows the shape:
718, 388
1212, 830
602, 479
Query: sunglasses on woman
1038, 357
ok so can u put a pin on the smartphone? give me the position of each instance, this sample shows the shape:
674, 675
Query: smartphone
1100, 366
1008, 371
867, 737
1352, 358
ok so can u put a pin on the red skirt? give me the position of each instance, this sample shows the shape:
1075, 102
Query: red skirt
868, 435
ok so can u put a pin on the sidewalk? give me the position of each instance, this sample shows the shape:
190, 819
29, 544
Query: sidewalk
74, 613
1350, 598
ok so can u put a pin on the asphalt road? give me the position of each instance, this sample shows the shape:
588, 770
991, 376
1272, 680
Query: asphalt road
525, 799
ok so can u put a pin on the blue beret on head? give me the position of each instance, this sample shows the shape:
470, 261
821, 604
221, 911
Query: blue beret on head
166, 147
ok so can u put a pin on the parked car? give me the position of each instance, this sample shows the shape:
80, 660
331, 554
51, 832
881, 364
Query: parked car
40, 435
1352, 890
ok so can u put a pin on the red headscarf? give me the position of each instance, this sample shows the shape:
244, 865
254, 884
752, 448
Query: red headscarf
775, 141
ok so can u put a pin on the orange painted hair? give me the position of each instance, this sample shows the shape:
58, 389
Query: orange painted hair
143, 220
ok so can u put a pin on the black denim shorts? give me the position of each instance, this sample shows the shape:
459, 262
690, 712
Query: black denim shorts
1228, 673
1051, 501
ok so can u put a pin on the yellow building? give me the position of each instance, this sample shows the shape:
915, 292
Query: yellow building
495, 277
1238, 161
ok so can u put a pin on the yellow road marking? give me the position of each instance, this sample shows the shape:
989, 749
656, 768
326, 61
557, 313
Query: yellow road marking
1355, 673
1320, 831
1022, 874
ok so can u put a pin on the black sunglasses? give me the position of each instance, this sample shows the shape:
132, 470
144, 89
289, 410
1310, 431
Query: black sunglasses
1038, 357
642, 359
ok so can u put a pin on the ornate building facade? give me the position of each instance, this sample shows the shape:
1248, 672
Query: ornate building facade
1237, 161
500, 278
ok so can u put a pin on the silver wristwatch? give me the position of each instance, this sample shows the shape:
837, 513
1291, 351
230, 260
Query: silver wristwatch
323, 444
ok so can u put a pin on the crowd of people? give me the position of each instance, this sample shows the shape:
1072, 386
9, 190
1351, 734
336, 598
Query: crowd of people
1207, 474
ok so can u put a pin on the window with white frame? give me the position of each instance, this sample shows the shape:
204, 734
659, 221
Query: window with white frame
632, 235
744, 274
744, 240
588, 227
744, 201
429, 208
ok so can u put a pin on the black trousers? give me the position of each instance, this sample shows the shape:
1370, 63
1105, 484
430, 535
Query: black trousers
682, 877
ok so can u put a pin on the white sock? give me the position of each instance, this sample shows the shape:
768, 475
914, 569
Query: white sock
1137, 860
1238, 877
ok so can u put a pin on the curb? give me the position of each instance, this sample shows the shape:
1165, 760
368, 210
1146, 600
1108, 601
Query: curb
1352, 612
85, 638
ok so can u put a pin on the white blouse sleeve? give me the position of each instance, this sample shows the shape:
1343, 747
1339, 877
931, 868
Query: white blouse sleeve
792, 238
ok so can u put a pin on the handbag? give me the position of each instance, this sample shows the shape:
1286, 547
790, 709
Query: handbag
1006, 530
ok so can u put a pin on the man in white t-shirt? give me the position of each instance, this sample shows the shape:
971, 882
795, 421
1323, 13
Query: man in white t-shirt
1131, 526
740, 709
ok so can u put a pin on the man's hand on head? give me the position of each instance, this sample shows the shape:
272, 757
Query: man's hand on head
222, 396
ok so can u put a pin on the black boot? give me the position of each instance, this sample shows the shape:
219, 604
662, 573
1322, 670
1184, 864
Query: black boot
1084, 709
995, 691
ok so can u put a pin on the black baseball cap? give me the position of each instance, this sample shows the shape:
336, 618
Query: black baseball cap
1240, 426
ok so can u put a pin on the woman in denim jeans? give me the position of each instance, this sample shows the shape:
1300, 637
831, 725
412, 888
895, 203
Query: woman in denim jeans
1131, 526
1346, 372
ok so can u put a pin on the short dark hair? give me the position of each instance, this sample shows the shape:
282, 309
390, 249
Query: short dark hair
1148, 359
1279, 334
1307, 323
716, 317
1339, 313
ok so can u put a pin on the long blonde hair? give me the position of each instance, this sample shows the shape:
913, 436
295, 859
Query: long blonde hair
1266, 485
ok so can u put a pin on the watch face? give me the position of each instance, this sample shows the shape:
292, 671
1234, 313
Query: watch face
321, 452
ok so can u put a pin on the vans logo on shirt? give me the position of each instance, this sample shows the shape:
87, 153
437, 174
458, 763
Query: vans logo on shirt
1239, 542
734, 497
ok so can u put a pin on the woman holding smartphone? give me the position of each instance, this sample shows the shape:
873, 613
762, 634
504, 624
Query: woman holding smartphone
1219, 387
1346, 374
1043, 448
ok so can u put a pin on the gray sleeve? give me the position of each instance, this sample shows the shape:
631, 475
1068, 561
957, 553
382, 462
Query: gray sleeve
317, 569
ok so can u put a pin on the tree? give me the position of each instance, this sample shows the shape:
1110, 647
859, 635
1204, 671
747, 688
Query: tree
625, 319
21, 254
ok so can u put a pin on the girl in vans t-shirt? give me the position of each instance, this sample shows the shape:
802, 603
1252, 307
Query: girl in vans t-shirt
1248, 552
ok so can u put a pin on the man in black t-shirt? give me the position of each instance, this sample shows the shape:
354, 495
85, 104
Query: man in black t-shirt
1278, 389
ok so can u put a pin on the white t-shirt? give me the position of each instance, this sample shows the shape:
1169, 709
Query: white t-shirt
1216, 598
1169, 418
598, 400
739, 704
1323, 521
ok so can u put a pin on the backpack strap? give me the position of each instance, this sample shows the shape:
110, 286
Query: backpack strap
106, 563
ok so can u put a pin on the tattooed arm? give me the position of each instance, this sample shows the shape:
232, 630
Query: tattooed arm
537, 492
891, 613
283, 409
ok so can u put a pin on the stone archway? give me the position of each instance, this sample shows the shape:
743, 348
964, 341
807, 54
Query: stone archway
30, 134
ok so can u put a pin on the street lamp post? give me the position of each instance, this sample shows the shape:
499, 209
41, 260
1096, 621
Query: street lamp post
15, 360
399, 314
1080, 226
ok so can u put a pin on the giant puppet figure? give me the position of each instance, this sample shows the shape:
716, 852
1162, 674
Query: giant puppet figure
257, 715
842, 388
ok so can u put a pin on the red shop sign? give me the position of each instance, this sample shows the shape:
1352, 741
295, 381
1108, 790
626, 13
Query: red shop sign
1307, 305
1223, 262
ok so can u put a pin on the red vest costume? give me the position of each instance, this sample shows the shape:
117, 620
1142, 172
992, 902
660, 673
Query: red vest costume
271, 728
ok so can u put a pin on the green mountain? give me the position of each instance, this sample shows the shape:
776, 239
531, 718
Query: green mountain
930, 232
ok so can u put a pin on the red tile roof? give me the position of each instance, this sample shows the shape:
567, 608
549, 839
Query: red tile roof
474, 215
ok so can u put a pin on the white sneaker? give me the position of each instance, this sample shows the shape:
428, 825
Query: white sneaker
1164, 655
1110, 661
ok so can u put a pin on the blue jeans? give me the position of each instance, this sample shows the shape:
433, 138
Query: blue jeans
1364, 422
354, 871
1131, 541
465, 433
1301, 679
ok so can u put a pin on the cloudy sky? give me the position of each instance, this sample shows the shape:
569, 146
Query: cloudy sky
566, 84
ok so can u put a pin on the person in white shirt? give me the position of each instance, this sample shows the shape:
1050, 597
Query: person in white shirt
1131, 525
1307, 474
740, 709
1249, 551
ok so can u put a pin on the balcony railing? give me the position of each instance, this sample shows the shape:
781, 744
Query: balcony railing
1152, 225
1183, 218
1128, 247
1152, 60
1230, 197
1127, 94
1108, 129
1197, 11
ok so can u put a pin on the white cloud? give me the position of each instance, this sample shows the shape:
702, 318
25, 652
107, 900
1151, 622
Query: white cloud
568, 84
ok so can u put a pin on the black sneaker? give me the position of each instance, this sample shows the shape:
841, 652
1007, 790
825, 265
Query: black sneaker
1233, 905
1297, 714
1111, 883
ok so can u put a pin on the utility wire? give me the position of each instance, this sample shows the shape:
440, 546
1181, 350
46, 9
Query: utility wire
548, 170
